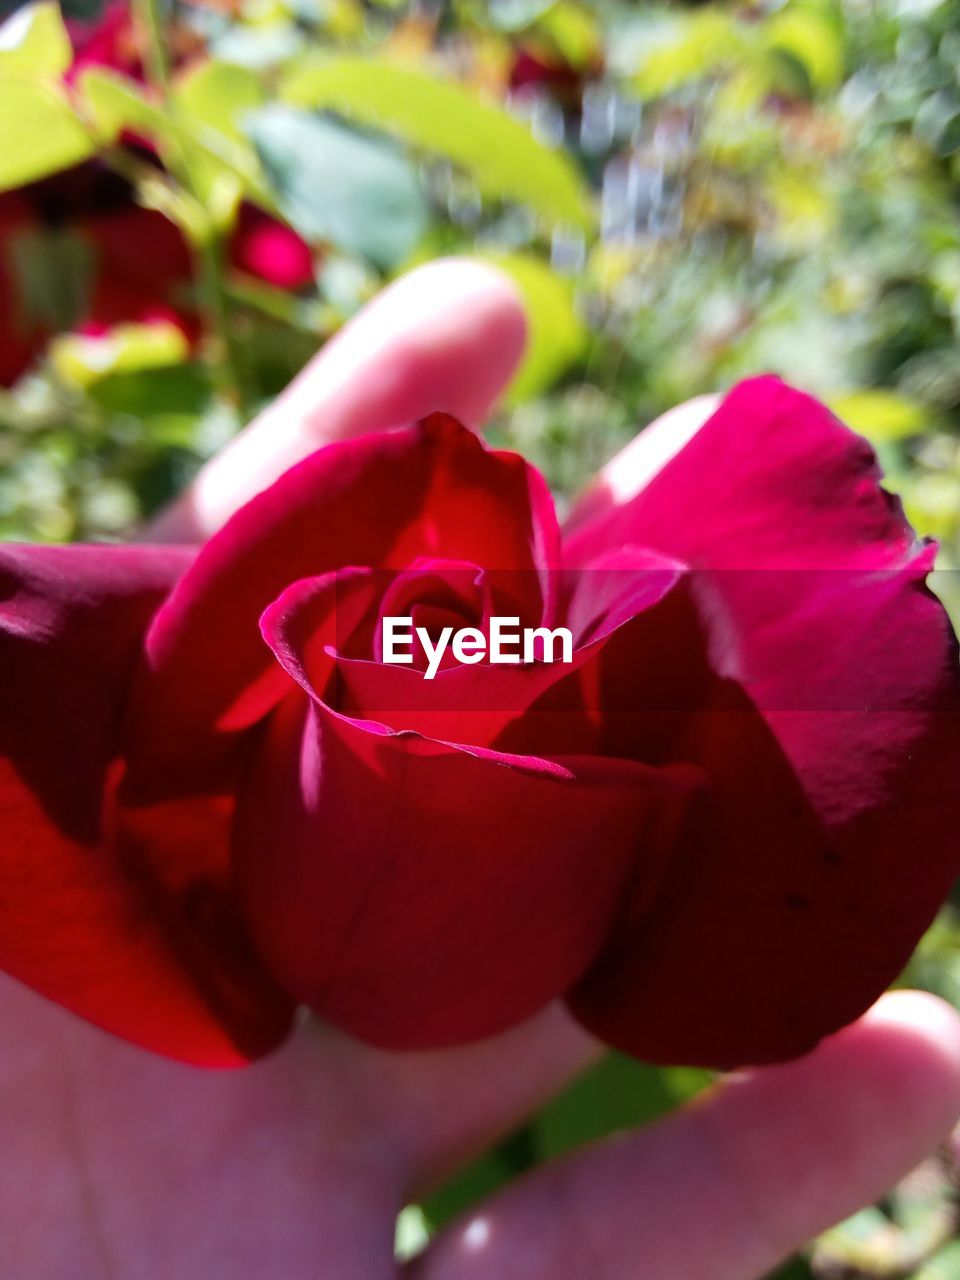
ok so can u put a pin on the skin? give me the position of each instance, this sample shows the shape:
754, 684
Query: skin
119, 1164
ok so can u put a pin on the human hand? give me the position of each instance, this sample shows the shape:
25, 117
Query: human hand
120, 1164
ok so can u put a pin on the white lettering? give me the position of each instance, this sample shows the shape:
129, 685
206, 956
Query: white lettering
499, 637
433, 651
469, 645
548, 640
391, 639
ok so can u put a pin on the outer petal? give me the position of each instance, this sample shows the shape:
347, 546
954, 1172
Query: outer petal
771, 480
78, 922
381, 500
826, 838
421, 893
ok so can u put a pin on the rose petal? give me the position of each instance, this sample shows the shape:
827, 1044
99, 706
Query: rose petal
78, 921
771, 480
428, 895
826, 838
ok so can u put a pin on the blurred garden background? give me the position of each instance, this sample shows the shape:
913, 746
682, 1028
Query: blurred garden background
195, 195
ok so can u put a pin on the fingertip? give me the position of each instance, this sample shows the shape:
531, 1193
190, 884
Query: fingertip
446, 335
857, 1113
456, 328
909, 1046
473, 280
921, 1014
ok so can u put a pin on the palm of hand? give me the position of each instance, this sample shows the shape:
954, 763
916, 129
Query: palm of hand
120, 1164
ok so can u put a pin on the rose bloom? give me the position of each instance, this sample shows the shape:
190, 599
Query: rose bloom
716, 834
139, 265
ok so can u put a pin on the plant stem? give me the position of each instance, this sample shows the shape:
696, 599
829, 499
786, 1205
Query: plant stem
157, 62
208, 244
216, 308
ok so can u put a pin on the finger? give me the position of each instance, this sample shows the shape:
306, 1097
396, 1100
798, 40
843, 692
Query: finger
447, 336
728, 1187
637, 463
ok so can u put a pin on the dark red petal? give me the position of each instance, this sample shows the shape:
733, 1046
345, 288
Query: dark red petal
380, 500
417, 894
826, 837
78, 922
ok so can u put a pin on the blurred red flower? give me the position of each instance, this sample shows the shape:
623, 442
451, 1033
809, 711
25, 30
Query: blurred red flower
133, 264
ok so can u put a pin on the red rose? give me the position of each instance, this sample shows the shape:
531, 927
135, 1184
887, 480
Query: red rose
269, 250
718, 832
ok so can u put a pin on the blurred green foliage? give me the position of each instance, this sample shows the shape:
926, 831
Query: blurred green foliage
684, 195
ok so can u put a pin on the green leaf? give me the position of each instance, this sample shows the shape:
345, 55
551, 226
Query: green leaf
116, 103
220, 164
619, 1093
34, 42
556, 336
213, 98
879, 415
813, 37
166, 398
573, 30
39, 133
334, 184
474, 1183
688, 48
443, 118
218, 95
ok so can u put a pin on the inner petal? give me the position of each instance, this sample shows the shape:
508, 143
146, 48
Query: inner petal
436, 595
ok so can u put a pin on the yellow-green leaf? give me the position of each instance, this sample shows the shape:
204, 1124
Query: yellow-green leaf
442, 117
932, 505
556, 336
218, 95
39, 133
688, 48
221, 166
34, 42
879, 415
812, 37
804, 207
116, 103
210, 100
123, 349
